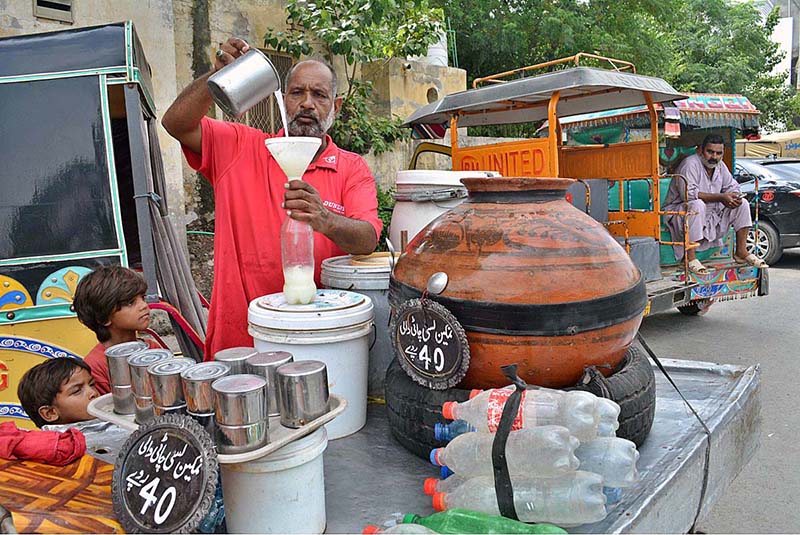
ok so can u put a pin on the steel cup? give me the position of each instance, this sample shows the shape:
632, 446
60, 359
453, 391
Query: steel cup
241, 438
122, 396
303, 392
117, 359
235, 357
240, 85
143, 409
240, 399
265, 364
197, 385
138, 364
165, 382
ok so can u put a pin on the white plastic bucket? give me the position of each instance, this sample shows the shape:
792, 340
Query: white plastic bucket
283, 492
423, 195
335, 329
368, 275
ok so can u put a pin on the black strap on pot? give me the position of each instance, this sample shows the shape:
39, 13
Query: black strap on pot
502, 478
706, 430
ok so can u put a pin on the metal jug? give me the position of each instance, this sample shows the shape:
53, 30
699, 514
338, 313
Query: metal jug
242, 84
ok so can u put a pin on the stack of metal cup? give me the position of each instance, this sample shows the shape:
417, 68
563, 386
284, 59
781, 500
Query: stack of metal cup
302, 392
138, 364
265, 364
165, 385
197, 382
120, 375
240, 406
235, 357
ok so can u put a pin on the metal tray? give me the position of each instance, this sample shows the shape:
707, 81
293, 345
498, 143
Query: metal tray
103, 408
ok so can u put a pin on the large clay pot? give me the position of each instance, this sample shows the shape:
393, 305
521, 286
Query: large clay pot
533, 280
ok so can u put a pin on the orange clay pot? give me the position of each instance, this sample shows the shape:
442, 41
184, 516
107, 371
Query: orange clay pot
532, 279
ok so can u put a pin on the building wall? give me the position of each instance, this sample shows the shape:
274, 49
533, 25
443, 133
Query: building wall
154, 24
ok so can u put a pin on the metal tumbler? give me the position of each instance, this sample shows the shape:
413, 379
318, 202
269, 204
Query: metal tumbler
240, 403
265, 364
240, 85
303, 392
165, 384
120, 375
197, 381
140, 383
235, 357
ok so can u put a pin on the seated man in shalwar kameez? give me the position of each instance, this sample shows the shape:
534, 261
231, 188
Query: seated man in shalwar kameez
715, 203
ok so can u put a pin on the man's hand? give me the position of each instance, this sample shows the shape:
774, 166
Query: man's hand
731, 199
229, 51
303, 202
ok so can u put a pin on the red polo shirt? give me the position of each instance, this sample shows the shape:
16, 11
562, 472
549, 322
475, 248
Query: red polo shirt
248, 192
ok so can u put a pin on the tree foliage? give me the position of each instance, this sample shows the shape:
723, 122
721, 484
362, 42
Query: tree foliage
713, 46
359, 31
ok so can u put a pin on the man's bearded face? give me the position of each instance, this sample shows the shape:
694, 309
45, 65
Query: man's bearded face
712, 154
308, 123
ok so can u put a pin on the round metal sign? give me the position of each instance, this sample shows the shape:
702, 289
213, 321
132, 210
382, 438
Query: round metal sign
165, 477
430, 344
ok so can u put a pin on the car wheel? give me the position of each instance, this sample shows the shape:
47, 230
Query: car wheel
696, 308
765, 242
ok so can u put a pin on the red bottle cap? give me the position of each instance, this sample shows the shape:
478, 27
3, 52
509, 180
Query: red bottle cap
371, 529
430, 486
447, 409
438, 501
474, 393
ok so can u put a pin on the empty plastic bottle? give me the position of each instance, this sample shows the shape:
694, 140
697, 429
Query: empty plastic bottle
445, 472
447, 432
609, 417
576, 410
433, 485
613, 458
570, 500
546, 451
464, 521
399, 528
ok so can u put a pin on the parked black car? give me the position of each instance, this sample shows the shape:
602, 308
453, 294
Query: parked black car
778, 207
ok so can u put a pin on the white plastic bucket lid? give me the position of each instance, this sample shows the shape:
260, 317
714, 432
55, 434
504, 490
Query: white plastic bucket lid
331, 309
434, 177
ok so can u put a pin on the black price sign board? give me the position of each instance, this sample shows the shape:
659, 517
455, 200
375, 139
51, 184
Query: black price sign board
430, 344
165, 477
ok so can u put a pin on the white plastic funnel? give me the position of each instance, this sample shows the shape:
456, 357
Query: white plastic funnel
293, 153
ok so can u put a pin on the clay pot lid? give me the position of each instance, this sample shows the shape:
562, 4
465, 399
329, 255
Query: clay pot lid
498, 184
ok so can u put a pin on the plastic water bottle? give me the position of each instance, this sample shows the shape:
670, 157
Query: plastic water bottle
399, 528
611, 457
609, 417
547, 451
447, 432
464, 521
570, 500
432, 485
576, 410
297, 254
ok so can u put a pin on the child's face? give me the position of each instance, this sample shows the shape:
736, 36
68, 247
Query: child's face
134, 316
72, 401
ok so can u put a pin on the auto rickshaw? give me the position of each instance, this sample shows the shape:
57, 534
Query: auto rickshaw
83, 186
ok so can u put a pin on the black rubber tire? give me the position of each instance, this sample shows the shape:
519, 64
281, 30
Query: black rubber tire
773, 251
413, 410
696, 308
633, 387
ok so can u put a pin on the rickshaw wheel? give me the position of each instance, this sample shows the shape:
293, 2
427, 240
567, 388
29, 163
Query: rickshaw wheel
696, 308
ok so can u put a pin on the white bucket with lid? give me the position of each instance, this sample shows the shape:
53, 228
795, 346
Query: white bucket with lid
336, 329
423, 195
283, 492
368, 275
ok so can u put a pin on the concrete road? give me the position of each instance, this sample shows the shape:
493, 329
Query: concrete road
764, 330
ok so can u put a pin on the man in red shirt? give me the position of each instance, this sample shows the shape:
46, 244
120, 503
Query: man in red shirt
337, 195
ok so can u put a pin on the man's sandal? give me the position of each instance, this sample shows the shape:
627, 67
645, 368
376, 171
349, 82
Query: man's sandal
696, 267
750, 259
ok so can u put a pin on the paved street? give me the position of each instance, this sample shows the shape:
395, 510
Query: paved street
763, 330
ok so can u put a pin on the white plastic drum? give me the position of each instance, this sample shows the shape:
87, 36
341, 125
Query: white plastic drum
336, 329
422, 196
283, 492
368, 275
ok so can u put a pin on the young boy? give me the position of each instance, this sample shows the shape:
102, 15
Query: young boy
110, 302
57, 391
